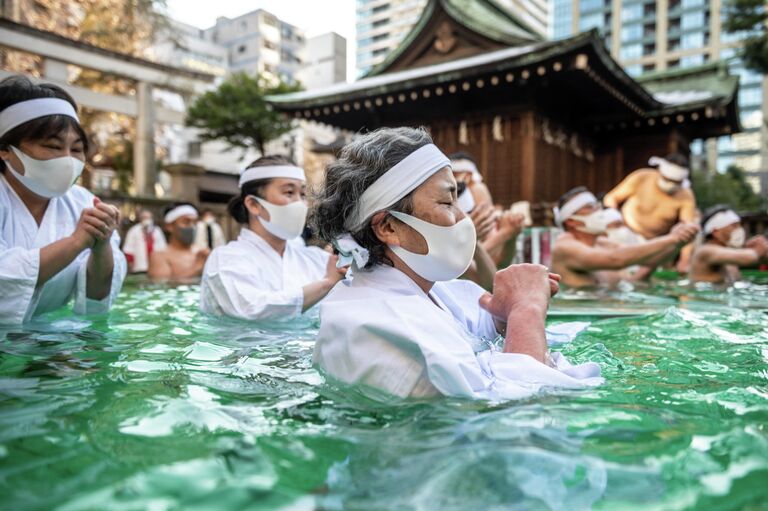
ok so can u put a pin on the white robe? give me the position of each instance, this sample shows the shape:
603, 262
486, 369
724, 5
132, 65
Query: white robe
136, 246
380, 330
247, 278
201, 235
20, 243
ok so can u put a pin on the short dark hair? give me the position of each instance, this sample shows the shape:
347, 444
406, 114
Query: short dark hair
709, 213
570, 194
677, 159
16, 89
462, 155
236, 207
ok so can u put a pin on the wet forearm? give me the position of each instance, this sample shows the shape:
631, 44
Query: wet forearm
57, 256
99, 273
526, 332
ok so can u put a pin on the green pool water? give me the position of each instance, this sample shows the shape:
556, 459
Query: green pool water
160, 408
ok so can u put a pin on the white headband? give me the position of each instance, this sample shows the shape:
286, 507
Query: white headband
178, 212
572, 206
613, 215
464, 165
669, 169
271, 171
720, 220
19, 113
396, 183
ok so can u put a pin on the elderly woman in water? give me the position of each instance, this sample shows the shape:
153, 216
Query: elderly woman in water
404, 324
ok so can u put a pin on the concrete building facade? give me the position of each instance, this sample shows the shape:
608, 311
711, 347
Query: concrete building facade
186, 46
259, 42
648, 36
326, 61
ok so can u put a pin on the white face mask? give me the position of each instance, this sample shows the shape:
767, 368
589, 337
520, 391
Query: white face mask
147, 223
622, 236
738, 238
466, 201
449, 249
47, 178
286, 222
594, 223
668, 187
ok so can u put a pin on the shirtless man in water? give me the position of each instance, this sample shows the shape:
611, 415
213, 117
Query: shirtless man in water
653, 201
585, 258
725, 249
179, 262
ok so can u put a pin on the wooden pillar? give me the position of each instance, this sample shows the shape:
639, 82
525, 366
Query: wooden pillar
528, 157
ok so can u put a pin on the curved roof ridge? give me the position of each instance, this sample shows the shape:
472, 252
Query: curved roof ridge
464, 12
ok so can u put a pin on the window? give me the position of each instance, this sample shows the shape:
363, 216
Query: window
690, 4
673, 45
590, 5
631, 12
693, 40
634, 70
241, 48
649, 68
691, 20
591, 21
631, 32
563, 25
269, 45
673, 64
194, 149
380, 8
649, 49
692, 60
750, 96
631, 51
380, 23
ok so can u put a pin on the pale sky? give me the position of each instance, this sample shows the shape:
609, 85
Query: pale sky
315, 17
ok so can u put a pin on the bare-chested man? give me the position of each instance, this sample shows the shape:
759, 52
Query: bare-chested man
585, 258
725, 248
655, 200
178, 262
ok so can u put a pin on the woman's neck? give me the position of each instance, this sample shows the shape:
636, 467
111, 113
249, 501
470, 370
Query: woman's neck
35, 204
424, 284
277, 244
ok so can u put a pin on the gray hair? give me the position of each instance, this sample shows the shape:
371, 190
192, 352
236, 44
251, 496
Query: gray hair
360, 163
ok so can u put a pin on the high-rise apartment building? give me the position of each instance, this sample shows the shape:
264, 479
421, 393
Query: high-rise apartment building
648, 36
382, 24
259, 42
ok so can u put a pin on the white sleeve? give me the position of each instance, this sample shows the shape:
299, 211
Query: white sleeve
244, 297
131, 245
19, 269
160, 242
85, 305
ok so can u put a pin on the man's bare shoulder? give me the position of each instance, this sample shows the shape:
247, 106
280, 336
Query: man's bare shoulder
643, 174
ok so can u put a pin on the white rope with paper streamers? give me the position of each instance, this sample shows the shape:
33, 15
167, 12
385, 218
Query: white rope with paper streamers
572, 206
25, 111
720, 220
387, 190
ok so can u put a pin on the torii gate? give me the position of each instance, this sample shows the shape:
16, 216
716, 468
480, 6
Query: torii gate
58, 51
